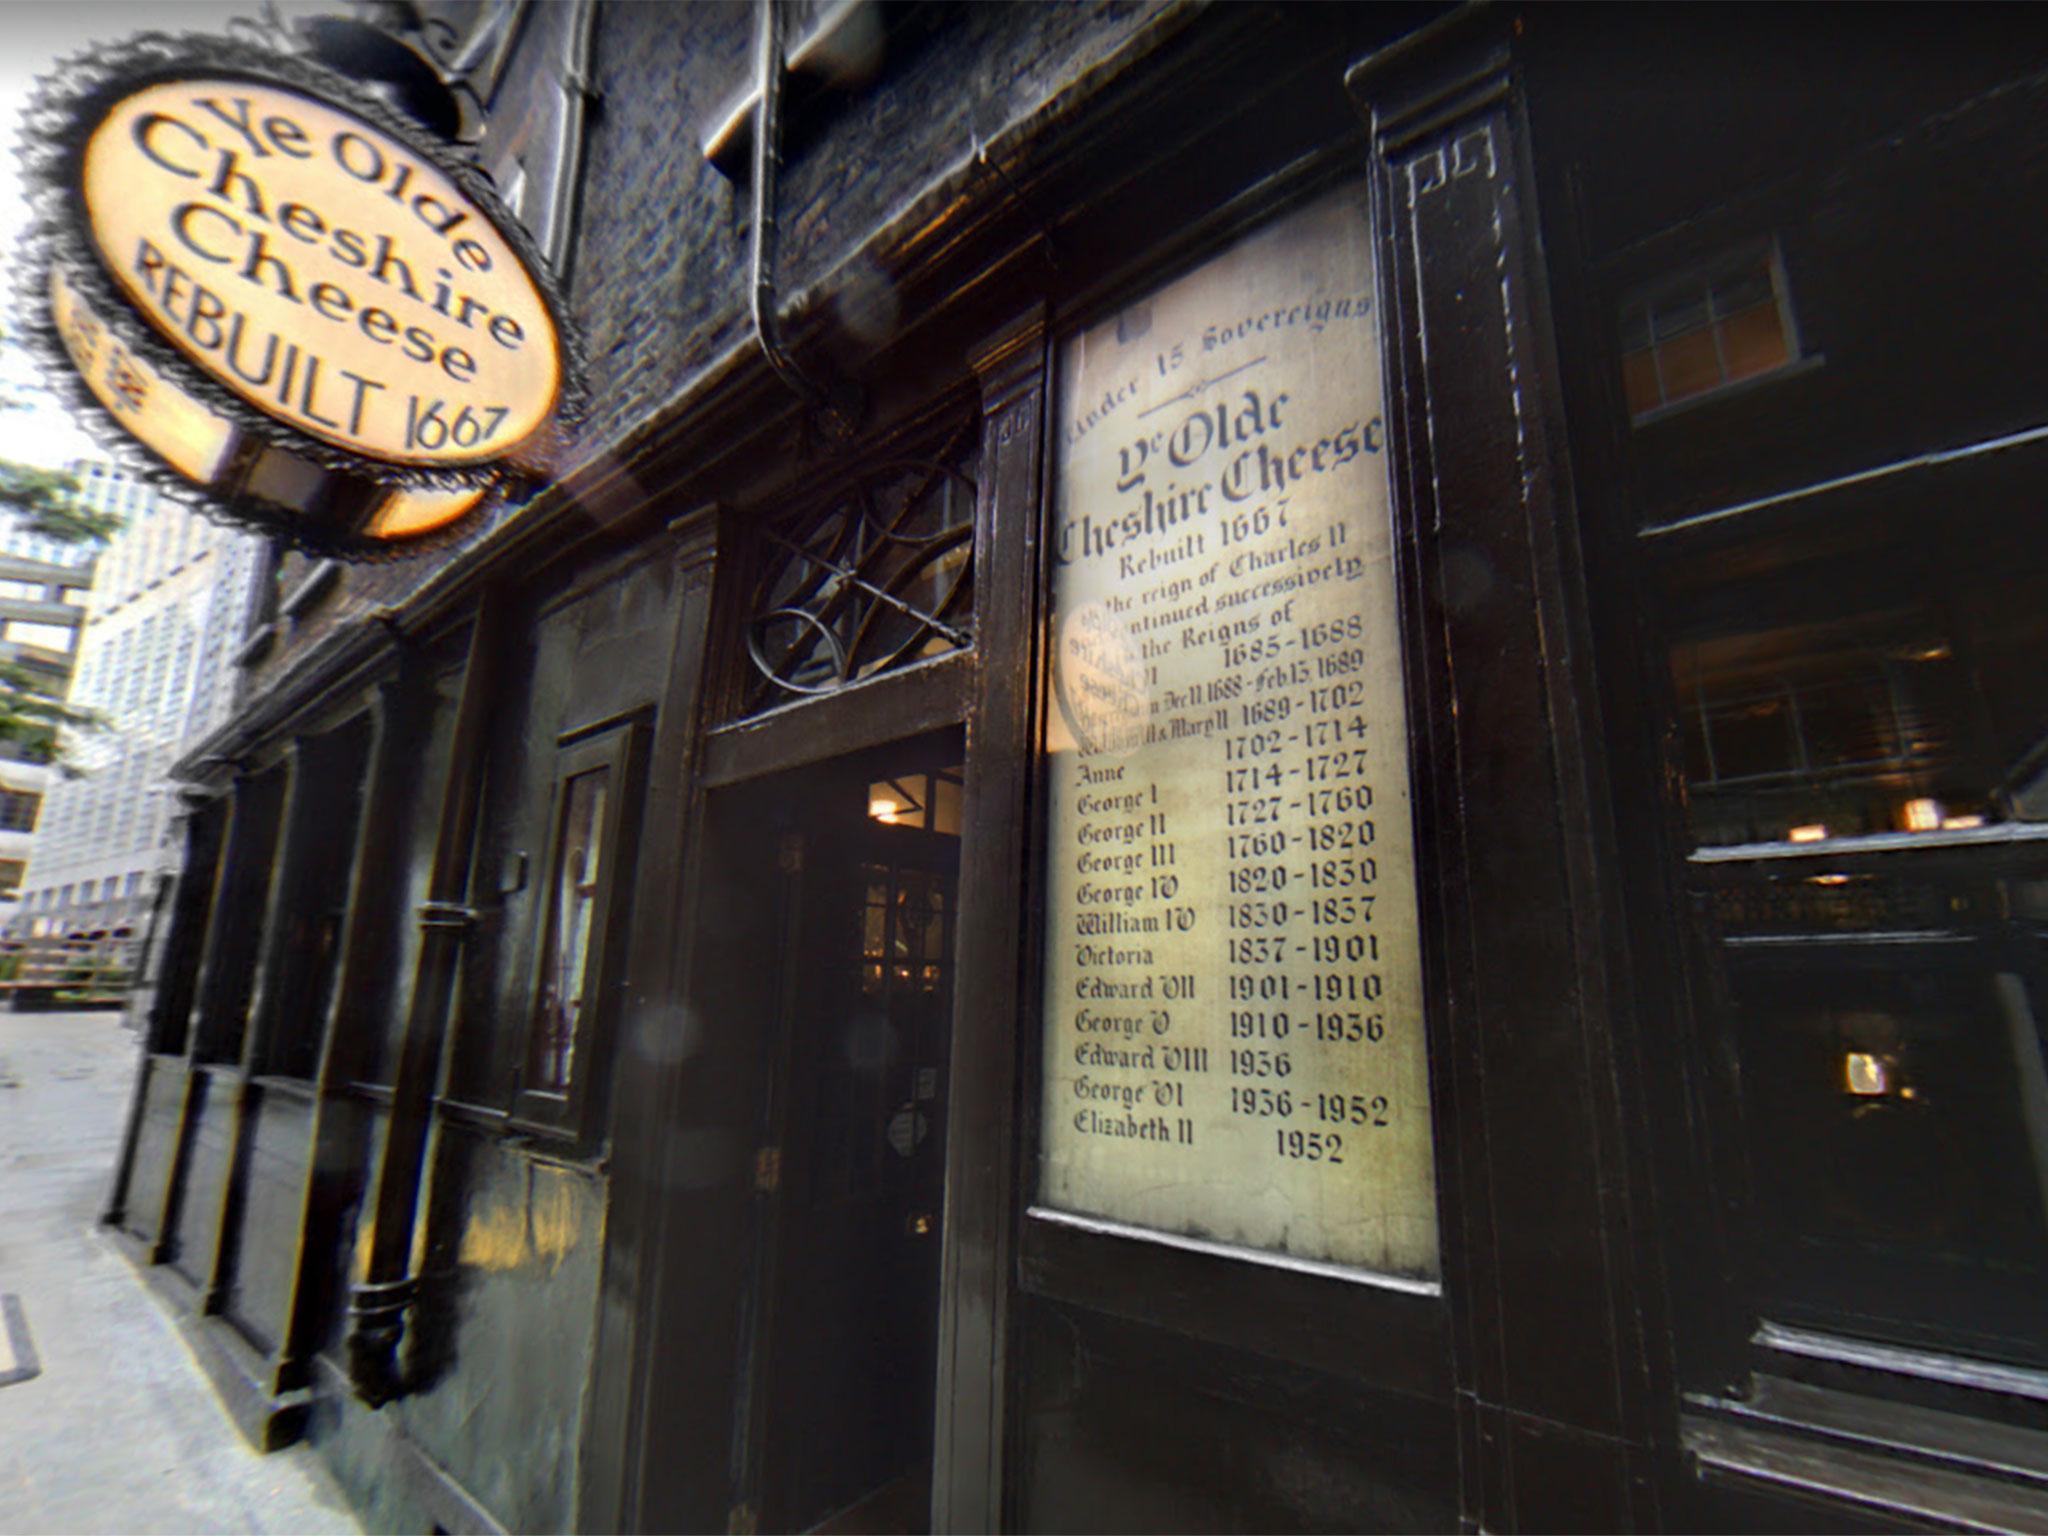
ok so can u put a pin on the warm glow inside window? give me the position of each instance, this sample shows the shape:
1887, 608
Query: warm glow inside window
928, 801
1714, 326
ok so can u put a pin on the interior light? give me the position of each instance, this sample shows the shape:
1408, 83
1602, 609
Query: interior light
1922, 815
883, 810
1961, 823
1813, 832
1827, 879
1867, 1076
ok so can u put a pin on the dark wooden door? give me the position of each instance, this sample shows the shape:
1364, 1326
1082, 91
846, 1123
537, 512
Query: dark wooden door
853, 1325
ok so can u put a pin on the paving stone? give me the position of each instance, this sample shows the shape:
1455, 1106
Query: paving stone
120, 1431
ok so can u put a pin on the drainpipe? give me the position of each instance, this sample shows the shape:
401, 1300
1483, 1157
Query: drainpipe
837, 405
378, 1303
578, 91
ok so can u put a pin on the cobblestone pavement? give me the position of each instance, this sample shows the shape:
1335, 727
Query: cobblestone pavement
120, 1431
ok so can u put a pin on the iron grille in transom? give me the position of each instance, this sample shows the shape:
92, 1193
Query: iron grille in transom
876, 576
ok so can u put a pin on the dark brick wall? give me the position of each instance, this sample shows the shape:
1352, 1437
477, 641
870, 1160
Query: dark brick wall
660, 281
658, 287
363, 588
658, 277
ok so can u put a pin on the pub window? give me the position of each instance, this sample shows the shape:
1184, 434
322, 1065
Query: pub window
565, 942
1861, 733
577, 941
1686, 337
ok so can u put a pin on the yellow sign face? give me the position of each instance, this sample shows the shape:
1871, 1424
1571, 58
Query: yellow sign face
191, 438
322, 271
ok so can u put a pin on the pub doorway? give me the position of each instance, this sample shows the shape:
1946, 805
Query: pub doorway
850, 1179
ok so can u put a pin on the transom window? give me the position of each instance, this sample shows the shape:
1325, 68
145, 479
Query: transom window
876, 576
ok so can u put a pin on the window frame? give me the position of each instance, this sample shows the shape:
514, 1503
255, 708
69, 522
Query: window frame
20, 809
1744, 1342
616, 747
1699, 273
1385, 1333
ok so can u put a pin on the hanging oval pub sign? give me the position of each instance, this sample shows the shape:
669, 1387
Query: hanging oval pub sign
288, 294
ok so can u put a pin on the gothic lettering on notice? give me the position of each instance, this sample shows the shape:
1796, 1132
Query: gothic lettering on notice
1233, 1025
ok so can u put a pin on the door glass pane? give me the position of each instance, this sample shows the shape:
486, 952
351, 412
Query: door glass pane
565, 951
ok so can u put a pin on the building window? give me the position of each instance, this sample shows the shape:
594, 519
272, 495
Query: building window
1686, 337
18, 810
1858, 748
54, 637
577, 944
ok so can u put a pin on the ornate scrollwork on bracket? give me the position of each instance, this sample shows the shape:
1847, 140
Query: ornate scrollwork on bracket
876, 576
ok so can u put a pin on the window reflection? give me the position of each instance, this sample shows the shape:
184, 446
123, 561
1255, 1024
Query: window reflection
904, 931
1899, 1166
1861, 727
1815, 731
565, 945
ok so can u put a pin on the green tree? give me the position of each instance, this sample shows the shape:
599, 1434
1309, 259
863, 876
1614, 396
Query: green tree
33, 714
33, 718
45, 501
35, 500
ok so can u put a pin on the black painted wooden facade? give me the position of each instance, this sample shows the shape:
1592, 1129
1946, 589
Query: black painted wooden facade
494, 1305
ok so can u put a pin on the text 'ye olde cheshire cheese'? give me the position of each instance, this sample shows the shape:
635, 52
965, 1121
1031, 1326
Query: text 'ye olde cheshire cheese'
1234, 1046
321, 271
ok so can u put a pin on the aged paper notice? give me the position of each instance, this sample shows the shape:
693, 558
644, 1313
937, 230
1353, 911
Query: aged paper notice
1234, 1044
